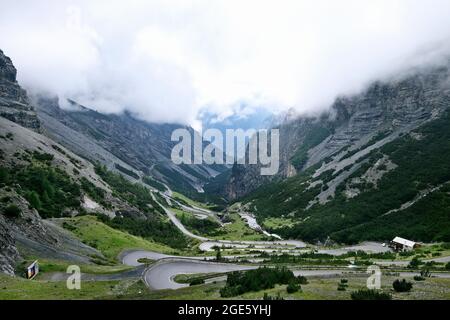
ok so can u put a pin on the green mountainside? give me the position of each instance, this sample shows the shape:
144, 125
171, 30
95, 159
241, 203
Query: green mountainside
401, 188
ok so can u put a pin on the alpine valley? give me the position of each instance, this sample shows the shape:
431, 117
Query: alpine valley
99, 190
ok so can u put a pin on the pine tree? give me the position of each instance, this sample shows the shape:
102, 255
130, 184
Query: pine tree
34, 200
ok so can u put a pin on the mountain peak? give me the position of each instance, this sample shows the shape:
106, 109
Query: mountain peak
14, 102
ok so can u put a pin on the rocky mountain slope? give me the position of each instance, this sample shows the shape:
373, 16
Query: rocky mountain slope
22, 231
14, 102
25, 154
379, 114
123, 143
375, 166
40, 178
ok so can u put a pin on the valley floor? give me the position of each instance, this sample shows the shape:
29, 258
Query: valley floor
316, 289
156, 271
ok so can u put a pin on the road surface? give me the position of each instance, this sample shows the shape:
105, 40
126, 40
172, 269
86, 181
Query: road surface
160, 276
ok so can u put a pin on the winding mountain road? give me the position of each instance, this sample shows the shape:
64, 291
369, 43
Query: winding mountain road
161, 274
208, 244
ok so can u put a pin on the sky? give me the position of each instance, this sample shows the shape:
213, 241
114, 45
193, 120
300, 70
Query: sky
170, 60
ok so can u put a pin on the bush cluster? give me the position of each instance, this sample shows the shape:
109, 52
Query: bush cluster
402, 285
239, 282
370, 294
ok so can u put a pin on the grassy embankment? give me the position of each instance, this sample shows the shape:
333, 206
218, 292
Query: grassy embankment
109, 241
189, 202
235, 230
13, 288
239, 230
316, 289
321, 289
274, 223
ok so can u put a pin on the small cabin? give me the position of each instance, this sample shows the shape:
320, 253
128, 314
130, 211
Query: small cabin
32, 270
401, 244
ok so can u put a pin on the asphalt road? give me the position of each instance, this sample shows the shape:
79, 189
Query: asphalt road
369, 247
178, 224
161, 275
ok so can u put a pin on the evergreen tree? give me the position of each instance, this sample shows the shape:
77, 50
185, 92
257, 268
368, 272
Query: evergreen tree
34, 200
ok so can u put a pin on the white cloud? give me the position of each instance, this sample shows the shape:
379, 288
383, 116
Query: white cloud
166, 60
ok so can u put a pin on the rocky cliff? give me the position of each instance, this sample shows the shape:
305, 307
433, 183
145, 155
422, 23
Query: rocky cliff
382, 112
22, 230
14, 102
122, 140
375, 166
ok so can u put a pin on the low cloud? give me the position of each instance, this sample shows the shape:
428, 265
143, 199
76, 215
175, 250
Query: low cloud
168, 60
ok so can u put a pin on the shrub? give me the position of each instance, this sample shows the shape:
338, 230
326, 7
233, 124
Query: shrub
425, 273
145, 261
302, 280
436, 254
239, 282
68, 226
34, 200
370, 294
4, 175
447, 266
414, 263
196, 281
42, 156
13, 211
402, 286
218, 254
292, 287
342, 287
419, 278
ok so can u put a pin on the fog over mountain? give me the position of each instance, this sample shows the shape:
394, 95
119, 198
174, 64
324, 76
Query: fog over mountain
174, 59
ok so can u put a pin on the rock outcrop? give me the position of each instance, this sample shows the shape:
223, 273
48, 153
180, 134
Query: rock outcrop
122, 140
382, 112
8, 251
14, 102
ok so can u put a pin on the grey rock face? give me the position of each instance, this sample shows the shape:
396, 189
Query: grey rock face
142, 147
389, 108
14, 102
8, 251
115, 140
27, 234
7, 70
35, 237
